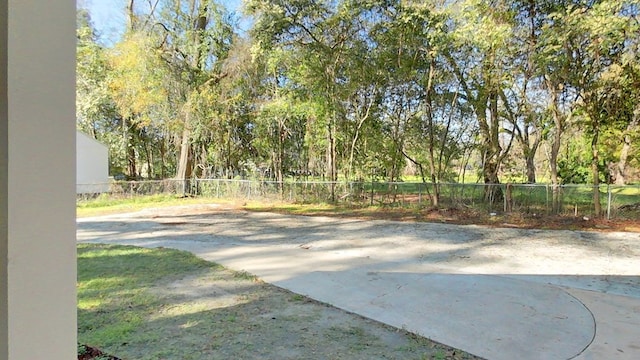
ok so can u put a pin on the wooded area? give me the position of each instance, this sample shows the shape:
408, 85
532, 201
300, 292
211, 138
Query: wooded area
445, 91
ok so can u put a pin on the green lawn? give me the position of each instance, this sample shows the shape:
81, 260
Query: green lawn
150, 304
114, 297
105, 204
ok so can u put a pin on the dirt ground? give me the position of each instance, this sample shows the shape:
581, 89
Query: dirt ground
254, 320
242, 317
262, 321
222, 314
629, 221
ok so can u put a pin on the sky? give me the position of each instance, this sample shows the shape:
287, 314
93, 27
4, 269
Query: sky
108, 16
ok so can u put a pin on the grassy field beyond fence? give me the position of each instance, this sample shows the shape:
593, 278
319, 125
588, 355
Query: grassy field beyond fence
520, 198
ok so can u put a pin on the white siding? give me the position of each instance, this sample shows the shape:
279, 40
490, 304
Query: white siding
92, 165
37, 192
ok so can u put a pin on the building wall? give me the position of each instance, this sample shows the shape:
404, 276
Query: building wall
37, 179
92, 165
4, 168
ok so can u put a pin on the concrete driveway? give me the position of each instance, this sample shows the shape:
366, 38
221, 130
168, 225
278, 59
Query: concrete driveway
496, 293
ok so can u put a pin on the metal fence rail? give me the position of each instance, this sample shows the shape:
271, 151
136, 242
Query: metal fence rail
616, 201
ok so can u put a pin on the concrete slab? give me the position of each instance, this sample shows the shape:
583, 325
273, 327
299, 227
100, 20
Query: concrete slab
618, 321
497, 293
490, 316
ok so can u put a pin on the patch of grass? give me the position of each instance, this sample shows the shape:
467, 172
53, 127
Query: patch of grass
146, 304
107, 200
296, 209
298, 297
244, 275
439, 355
82, 349
114, 300
313, 209
106, 204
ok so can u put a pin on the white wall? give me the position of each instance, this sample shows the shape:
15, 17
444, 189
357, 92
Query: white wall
4, 184
37, 180
92, 165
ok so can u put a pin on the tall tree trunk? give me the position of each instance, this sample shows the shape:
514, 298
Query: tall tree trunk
356, 136
184, 162
621, 167
331, 156
559, 123
131, 16
163, 172
129, 144
597, 208
131, 162
491, 148
435, 198
530, 151
531, 166
149, 154
553, 166
595, 159
280, 156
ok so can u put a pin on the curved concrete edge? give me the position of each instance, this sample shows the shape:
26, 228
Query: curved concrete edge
489, 316
618, 325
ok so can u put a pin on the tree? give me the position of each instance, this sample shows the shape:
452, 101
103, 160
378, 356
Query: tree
479, 45
367, 88
599, 35
321, 32
195, 39
96, 111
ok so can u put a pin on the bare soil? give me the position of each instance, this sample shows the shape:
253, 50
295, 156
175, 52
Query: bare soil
236, 316
468, 216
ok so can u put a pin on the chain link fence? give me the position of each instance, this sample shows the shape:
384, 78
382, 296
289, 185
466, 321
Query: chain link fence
615, 201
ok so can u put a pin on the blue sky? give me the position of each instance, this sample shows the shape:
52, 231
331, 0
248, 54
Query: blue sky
108, 16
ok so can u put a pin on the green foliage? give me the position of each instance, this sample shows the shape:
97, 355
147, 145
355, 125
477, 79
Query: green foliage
575, 165
359, 88
136, 80
114, 281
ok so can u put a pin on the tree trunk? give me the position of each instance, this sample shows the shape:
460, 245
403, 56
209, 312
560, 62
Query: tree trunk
131, 162
331, 157
163, 173
530, 151
493, 191
492, 150
184, 163
280, 157
531, 167
356, 136
130, 149
435, 198
553, 168
559, 124
597, 208
621, 167
131, 15
149, 154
